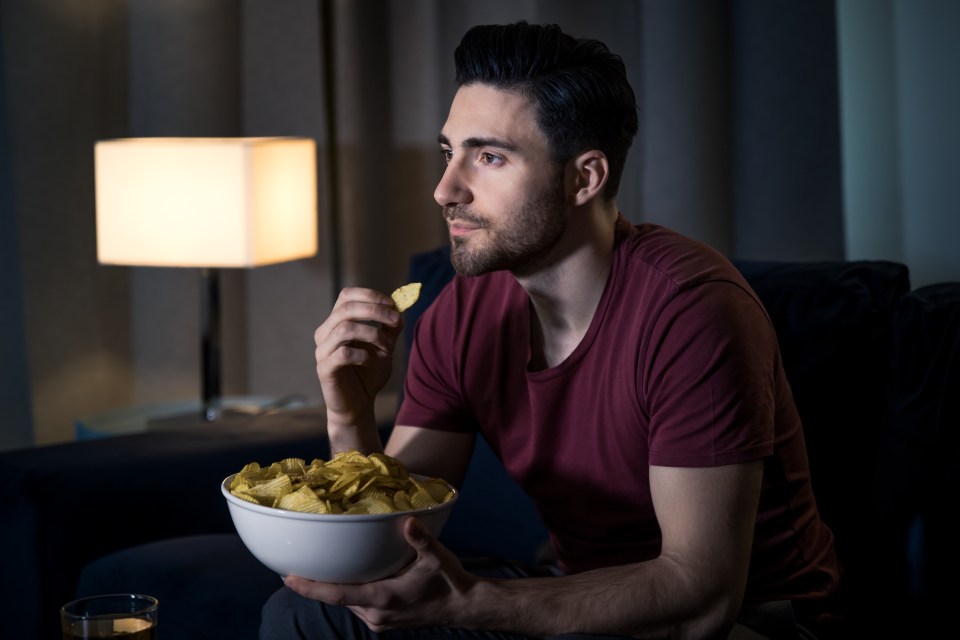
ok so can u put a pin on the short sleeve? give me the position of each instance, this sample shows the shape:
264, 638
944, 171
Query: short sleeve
709, 378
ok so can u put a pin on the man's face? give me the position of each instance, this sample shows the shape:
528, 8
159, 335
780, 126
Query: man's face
502, 194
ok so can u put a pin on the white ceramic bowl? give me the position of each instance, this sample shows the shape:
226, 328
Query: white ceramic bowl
330, 548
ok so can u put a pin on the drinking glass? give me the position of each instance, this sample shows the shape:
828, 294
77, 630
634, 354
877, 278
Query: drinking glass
129, 616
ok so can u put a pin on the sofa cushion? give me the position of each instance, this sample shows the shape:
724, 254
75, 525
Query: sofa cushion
918, 470
188, 576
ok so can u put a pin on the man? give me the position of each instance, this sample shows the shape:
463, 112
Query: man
584, 349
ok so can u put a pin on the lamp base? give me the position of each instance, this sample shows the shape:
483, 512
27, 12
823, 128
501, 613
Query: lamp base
210, 413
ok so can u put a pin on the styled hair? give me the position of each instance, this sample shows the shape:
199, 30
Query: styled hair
583, 98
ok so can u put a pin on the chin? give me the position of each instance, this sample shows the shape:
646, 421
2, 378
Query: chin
466, 262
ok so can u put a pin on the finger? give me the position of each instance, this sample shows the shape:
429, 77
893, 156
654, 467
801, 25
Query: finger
344, 356
423, 542
355, 323
362, 294
430, 552
356, 334
365, 313
331, 593
367, 304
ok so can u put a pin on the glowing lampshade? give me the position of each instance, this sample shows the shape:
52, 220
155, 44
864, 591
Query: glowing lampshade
205, 202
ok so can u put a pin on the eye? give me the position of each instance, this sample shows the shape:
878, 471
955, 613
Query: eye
490, 158
446, 153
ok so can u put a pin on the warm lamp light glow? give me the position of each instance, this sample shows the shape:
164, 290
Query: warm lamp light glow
208, 203
205, 202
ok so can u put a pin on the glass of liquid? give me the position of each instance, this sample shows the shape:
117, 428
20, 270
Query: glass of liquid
129, 616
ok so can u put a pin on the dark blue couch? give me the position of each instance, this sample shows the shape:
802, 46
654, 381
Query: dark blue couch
875, 368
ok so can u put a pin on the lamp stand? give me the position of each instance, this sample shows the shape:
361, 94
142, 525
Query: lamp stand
210, 343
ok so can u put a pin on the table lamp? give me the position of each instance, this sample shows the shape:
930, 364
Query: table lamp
208, 203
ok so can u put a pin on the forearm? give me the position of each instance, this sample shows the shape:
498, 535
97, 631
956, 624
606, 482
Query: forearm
654, 599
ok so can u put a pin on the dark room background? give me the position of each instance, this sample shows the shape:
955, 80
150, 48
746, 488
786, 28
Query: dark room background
771, 129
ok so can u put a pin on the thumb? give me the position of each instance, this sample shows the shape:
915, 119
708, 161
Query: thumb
417, 534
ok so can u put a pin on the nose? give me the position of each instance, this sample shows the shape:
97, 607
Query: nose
451, 189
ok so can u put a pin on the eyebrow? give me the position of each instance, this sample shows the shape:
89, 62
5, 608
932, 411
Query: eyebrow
475, 142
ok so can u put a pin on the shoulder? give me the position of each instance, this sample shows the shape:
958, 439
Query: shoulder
678, 260
670, 275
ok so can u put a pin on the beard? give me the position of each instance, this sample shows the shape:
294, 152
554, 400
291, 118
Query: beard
521, 244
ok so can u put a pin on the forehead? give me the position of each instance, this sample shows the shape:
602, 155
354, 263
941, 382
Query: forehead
481, 111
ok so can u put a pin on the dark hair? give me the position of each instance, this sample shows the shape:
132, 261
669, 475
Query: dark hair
584, 100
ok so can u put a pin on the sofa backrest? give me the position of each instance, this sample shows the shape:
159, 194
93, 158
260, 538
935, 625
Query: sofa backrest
834, 326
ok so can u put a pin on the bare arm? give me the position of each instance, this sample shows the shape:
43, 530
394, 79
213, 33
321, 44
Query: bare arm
694, 589
354, 354
440, 454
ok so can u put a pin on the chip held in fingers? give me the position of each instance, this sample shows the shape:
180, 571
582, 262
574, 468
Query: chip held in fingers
405, 296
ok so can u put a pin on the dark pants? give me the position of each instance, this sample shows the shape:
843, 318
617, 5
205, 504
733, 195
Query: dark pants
288, 616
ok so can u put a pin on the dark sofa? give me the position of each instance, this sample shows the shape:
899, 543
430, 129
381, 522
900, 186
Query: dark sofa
875, 368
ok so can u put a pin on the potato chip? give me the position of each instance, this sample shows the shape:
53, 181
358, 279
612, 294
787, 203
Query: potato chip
303, 499
438, 489
401, 502
243, 496
371, 504
272, 490
348, 483
405, 296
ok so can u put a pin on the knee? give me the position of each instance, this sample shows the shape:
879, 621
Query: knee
287, 615
283, 614
279, 603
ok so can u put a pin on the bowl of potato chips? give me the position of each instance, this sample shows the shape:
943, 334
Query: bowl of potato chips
334, 521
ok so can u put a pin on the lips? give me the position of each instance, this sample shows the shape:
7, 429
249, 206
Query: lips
461, 227
461, 221
461, 224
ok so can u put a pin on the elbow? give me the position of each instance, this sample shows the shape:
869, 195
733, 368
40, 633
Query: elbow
713, 621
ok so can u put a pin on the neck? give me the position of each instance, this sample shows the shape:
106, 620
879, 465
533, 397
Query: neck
564, 295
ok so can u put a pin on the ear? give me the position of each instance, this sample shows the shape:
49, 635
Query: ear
587, 174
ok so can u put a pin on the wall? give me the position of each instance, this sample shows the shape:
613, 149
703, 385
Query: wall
14, 383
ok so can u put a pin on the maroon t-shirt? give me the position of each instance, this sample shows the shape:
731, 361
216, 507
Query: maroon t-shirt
680, 367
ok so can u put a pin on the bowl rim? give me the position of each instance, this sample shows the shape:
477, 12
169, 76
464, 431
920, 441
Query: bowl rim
334, 517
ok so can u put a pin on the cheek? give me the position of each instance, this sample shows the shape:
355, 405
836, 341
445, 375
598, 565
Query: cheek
493, 195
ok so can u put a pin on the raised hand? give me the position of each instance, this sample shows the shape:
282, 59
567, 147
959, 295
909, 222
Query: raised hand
354, 354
